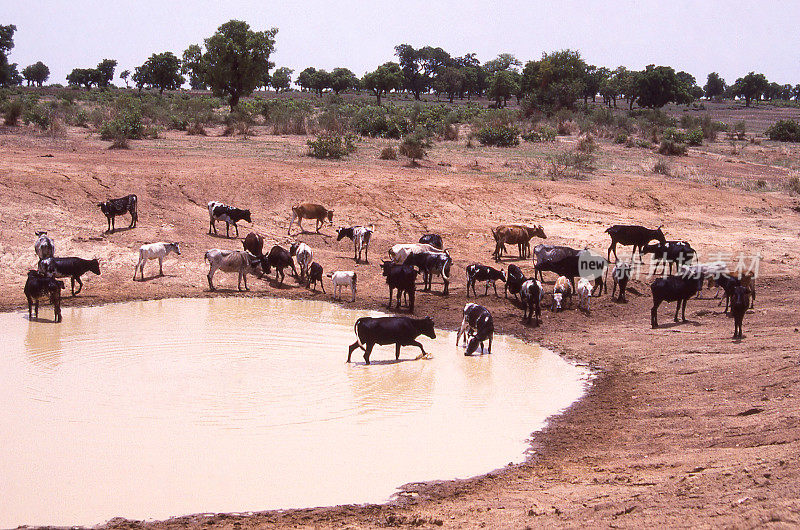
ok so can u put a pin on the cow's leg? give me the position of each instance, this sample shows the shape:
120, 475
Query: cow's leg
227, 229
411, 296
160, 267
494, 284
683, 309
36, 308
352, 348
30, 306
490, 343
80, 284
422, 354
368, 351
55, 299
677, 309
237, 229
210, 277
321, 284
397, 351
654, 313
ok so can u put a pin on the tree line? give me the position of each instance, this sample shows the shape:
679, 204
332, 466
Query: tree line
235, 61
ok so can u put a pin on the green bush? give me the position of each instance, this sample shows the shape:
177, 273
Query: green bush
127, 124
621, 138
383, 122
37, 114
661, 167
414, 145
784, 131
695, 137
671, 147
81, 118
674, 135
498, 135
711, 128
570, 164
13, 111
541, 134
329, 145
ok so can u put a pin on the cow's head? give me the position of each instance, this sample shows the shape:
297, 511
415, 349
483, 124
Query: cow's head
293, 249
386, 266
425, 327
650, 248
537, 231
40, 233
341, 233
94, 266
246, 216
330, 216
660, 235
176, 248
103, 207
557, 299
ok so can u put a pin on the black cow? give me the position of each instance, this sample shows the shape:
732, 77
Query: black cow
400, 331
543, 255
740, 300
315, 275
673, 288
430, 263
40, 287
434, 240
635, 235
514, 281
483, 273
279, 258
403, 278
672, 252
479, 319
72, 268
728, 284
230, 215
114, 207
531, 294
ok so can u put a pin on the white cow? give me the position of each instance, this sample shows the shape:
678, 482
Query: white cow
44, 246
401, 251
155, 251
341, 279
304, 255
360, 236
561, 292
584, 291
238, 261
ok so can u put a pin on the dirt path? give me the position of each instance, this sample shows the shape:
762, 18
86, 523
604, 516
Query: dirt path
683, 426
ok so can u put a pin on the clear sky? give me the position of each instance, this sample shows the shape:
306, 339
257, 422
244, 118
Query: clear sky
730, 37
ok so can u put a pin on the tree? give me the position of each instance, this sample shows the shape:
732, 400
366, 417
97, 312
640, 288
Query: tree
796, 92
105, 72
451, 81
343, 79
658, 85
384, 79
592, 80
414, 78
504, 61
36, 73
191, 66
715, 86
306, 78
320, 81
162, 71
556, 81
8, 71
282, 79
85, 77
750, 87
502, 86
124, 76
236, 60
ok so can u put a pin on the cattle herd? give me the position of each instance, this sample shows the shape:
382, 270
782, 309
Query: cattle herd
429, 258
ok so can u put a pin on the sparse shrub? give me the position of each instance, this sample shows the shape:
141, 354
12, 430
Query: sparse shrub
414, 145
178, 123
238, 124
661, 167
565, 128
689, 122
621, 138
644, 143
671, 147
328, 145
784, 131
388, 153
793, 185
196, 129
38, 115
674, 135
711, 128
738, 130
541, 134
587, 144
13, 111
695, 137
570, 164
81, 118
119, 142
450, 132
383, 121
761, 184
498, 135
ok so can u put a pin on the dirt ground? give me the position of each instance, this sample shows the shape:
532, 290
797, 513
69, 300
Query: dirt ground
682, 427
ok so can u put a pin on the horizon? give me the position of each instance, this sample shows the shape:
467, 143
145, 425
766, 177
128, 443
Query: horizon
731, 38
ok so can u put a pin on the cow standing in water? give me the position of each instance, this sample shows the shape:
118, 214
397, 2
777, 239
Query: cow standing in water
400, 331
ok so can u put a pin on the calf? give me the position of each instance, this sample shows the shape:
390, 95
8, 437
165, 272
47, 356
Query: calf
72, 268
740, 300
154, 251
531, 294
584, 291
478, 319
341, 279
514, 281
635, 235
672, 252
315, 275
728, 284
621, 274
114, 207
310, 211
404, 279
40, 287
360, 236
279, 258
237, 261
400, 331
303, 254
480, 273
43, 246
434, 240
562, 291
673, 288
230, 215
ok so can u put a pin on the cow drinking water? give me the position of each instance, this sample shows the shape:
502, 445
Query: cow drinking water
40, 287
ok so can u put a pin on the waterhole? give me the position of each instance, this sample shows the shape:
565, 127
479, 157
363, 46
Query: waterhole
148, 410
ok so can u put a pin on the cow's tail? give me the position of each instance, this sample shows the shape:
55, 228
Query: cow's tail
355, 279
355, 330
206, 258
445, 276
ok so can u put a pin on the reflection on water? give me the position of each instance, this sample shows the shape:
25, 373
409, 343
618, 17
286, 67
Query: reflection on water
154, 409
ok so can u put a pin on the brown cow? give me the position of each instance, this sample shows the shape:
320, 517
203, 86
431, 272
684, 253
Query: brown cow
309, 210
519, 235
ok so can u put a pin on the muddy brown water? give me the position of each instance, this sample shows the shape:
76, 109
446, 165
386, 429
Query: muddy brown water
154, 409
